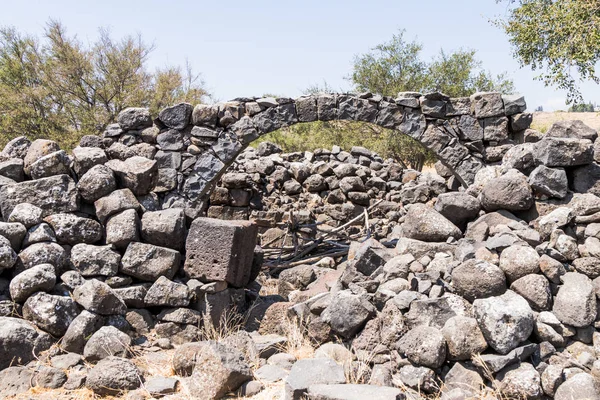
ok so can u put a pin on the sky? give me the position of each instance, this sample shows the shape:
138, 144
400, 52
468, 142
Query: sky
249, 48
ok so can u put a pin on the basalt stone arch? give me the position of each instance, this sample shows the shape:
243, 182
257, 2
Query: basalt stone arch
201, 142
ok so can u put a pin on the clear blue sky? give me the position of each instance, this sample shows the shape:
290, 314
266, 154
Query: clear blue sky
252, 47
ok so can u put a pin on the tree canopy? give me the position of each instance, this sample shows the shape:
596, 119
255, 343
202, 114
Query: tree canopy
58, 87
397, 66
559, 38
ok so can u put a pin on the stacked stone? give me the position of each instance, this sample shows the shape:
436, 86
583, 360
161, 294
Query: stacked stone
194, 146
90, 260
326, 186
494, 288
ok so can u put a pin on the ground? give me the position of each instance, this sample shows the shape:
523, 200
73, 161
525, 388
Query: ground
543, 120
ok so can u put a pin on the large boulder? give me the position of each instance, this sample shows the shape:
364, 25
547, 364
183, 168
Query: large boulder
476, 279
42, 253
92, 260
166, 293
517, 261
98, 297
20, 342
510, 191
106, 342
55, 194
457, 207
579, 386
224, 255
38, 149
50, 313
79, 331
97, 182
564, 152
84, 158
112, 376
134, 118
217, 369
424, 346
136, 173
115, 202
148, 262
72, 229
308, 372
347, 313
164, 228
551, 182
575, 302
572, 129
424, 223
40, 278
463, 337
505, 320
122, 229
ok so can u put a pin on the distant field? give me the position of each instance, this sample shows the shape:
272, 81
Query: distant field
542, 121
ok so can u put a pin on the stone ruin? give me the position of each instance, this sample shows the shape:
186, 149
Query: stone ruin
481, 280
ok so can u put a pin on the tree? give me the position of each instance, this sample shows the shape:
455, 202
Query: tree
559, 38
57, 87
589, 107
396, 66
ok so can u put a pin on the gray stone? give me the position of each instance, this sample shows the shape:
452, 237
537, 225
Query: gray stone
580, 386
8, 257
50, 378
56, 163
205, 114
164, 228
92, 260
122, 229
551, 182
424, 223
475, 279
134, 118
436, 311
424, 346
463, 337
15, 233
15, 381
347, 313
535, 289
160, 385
177, 116
505, 320
72, 229
39, 233
84, 158
510, 191
572, 129
26, 214
20, 342
458, 208
99, 298
37, 150
216, 369
17, 147
106, 342
53, 195
225, 255
42, 253
138, 174
165, 292
487, 104
513, 104
112, 376
79, 331
97, 182
575, 302
115, 202
564, 152
520, 381
353, 392
50, 313
518, 261
40, 278
586, 179
308, 372
148, 262
66, 361
463, 376
12, 169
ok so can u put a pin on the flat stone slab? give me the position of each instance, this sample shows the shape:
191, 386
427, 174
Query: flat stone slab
354, 392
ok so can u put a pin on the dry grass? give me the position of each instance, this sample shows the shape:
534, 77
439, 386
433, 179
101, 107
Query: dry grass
298, 342
542, 121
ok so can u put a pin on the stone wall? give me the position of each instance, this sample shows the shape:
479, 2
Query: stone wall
195, 145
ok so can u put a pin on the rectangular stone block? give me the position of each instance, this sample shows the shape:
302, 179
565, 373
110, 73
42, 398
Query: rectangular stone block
218, 250
55, 194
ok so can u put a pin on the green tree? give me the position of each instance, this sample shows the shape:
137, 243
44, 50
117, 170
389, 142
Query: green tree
57, 87
559, 38
396, 66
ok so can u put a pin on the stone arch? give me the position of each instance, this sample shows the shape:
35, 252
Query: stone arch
465, 133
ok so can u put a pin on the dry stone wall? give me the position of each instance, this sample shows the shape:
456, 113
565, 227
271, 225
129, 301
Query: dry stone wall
458, 291
195, 145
